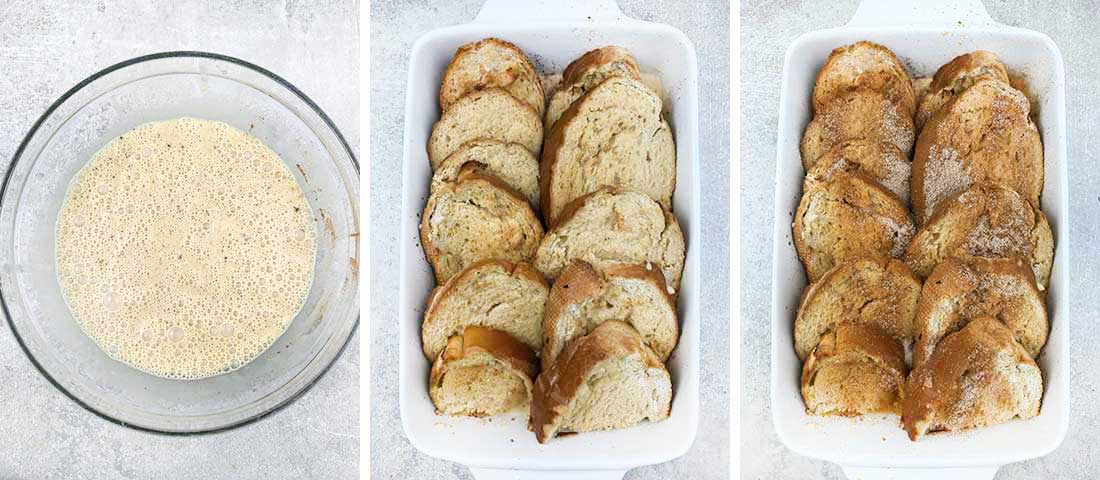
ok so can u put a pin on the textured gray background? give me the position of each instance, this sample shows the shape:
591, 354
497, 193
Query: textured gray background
46, 47
394, 27
768, 27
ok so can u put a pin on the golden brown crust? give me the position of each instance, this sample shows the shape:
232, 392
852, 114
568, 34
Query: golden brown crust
958, 290
578, 68
558, 385
864, 65
956, 76
475, 340
867, 371
977, 376
983, 135
494, 79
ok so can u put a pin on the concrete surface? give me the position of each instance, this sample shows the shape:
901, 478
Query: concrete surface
768, 27
46, 47
394, 26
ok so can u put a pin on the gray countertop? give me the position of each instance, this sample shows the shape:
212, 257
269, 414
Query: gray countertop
394, 27
46, 47
768, 27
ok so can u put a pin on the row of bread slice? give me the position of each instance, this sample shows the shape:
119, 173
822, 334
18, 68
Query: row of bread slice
603, 335
975, 327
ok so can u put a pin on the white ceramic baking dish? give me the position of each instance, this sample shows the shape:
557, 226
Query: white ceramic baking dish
925, 35
553, 33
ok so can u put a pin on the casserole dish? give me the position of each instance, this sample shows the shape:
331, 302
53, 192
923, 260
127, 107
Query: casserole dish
552, 33
924, 35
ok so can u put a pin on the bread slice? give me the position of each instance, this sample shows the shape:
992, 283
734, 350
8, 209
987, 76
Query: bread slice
976, 377
856, 369
496, 294
482, 372
956, 76
864, 66
846, 217
959, 290
881, 161
492, 114
983, 135
857, 115
605, 380
476, 217
874, 291
587, 72
612, 136
920, 88
584, 297
612, 226
510, 162
491, 63
989, 221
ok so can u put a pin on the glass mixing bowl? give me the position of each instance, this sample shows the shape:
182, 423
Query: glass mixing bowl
108, 104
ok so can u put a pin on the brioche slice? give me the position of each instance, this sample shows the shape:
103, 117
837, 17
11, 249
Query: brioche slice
605, 380
482, 372
881, 161
612, 136
613, 226
848, 216
510, 162
583, 297
492, 114
856, 369
476, 217
983, 135
989, 221
864, 66
587, 72
865, 290
976, 377
959, 290
857, 115
956, 76
495, 294
490, 63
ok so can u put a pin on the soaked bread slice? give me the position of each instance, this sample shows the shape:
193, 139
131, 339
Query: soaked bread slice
846, 217
881, 161
491, 63
983, 135
864, 66
612, 136
510, 162
584, 297
920, 88
976, 377
482, 372
492, 114
586, 72
612, 226
956, 76
496, 294
476, 217
605, 380
959, 290
988, 221
879, 292
856, 369
857, 115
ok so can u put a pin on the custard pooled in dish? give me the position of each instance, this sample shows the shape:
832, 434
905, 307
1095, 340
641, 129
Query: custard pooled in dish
185, 248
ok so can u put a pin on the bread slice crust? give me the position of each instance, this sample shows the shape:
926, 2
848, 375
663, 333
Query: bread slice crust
491, 63
576, 374
956, 76
986, 220
612, 136
977, 376
512, 163
584, 296
477, 217
586, 72
983, 135
846, 217
483, 357
857, 369
491, 113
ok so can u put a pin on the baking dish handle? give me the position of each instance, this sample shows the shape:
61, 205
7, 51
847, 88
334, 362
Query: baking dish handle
499, 474
875, 473
928, 13
511, 11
